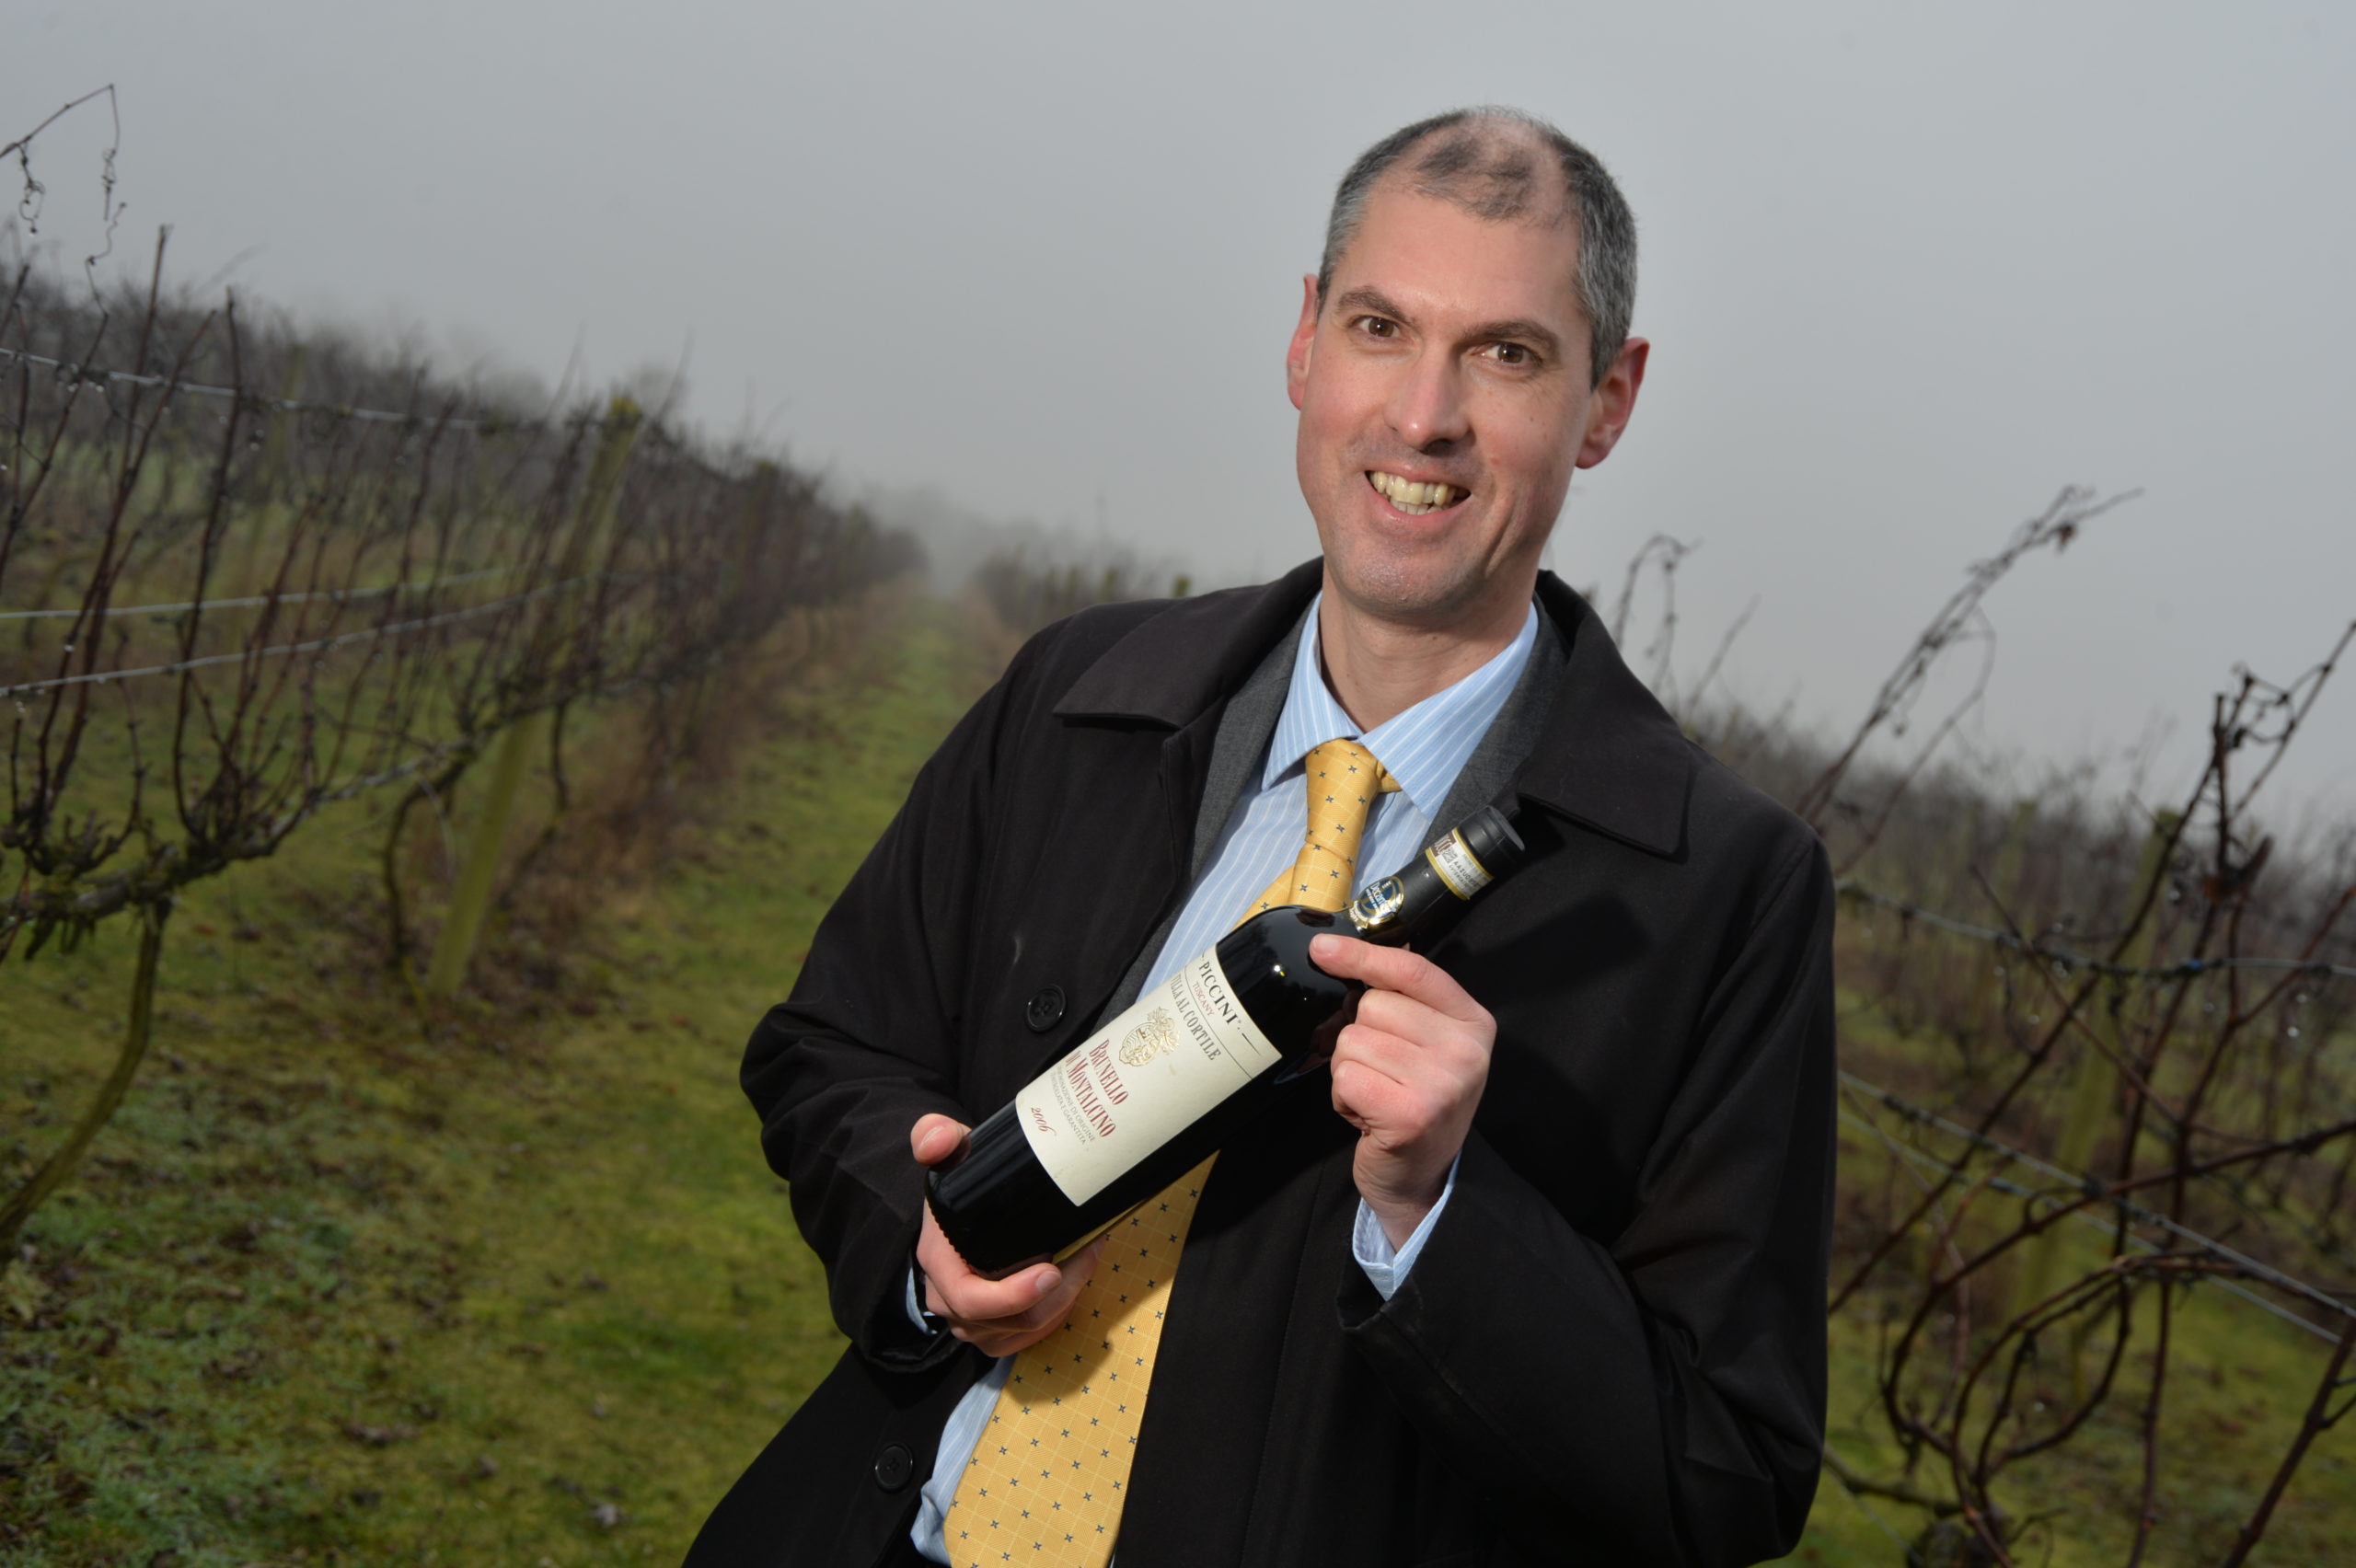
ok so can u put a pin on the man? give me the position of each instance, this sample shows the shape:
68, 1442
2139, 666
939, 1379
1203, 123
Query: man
1536, 1273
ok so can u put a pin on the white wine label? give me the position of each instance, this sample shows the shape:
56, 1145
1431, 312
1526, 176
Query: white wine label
1452, 859
1156, 1069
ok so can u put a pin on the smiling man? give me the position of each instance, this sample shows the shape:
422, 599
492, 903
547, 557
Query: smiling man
1448, 382
1536, 1273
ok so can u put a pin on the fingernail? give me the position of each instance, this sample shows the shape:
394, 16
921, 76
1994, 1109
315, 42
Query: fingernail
1047, 1282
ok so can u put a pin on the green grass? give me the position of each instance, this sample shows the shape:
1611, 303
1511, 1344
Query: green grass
328, 1291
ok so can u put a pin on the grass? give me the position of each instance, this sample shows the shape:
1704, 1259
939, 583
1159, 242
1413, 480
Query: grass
519, 1292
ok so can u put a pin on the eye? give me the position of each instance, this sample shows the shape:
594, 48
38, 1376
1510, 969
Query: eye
1377, 326
1512, 353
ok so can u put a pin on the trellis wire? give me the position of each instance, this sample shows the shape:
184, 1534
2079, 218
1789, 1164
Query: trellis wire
254, 601
650, 431
2184, 969
2089, 1187
70, 371
100, 677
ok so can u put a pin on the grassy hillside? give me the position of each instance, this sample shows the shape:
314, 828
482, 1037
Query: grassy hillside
520, 1292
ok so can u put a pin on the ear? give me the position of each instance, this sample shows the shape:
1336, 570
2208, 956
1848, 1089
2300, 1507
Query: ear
1304, 338
1613, 402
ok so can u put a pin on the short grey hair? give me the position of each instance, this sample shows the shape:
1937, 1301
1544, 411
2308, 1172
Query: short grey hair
1475, 159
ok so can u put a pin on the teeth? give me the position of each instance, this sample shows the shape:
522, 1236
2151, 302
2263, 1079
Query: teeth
1412, 498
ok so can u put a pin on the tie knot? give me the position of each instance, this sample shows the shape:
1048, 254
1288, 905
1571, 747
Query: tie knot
1343, 760
1343, 780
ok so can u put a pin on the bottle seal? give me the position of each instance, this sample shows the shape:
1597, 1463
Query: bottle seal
1458, 869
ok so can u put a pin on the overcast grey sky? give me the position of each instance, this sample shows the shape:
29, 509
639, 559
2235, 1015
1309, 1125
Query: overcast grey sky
1905, 275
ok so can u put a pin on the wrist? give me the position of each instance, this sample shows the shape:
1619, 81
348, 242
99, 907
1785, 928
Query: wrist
1398, 1224
1400, 1216
1401, 1206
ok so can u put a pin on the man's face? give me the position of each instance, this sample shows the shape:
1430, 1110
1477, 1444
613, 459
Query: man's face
1452, 354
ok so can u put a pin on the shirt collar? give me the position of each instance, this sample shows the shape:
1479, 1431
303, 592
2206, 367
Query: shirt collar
1424, 747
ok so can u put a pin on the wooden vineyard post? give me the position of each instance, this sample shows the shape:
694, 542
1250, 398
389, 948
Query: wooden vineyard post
278, 446
453, 947
2087, 1094
2008, 883
2012, 861
272, 507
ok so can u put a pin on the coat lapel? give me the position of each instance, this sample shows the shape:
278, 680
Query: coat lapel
1609, 756
1606, 754
1175, 666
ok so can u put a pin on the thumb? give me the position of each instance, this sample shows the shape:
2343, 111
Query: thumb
935, 1137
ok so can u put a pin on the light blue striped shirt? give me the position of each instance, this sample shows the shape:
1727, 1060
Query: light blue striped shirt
1424, 748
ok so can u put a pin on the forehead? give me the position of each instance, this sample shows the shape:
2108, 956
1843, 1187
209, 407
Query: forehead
1440, 262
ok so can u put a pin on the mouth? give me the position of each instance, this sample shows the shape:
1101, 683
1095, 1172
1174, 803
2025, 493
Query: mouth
1414, 498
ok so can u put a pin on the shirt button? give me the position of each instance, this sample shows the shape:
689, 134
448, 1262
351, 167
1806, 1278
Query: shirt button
1043, 1010
894, 1467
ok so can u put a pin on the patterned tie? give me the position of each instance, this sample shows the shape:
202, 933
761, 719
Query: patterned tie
1046, 1483
1343, 780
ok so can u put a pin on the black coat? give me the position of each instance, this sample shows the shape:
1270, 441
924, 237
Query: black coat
1612, 1346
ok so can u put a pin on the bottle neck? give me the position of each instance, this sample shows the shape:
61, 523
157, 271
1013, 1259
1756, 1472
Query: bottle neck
1390, 910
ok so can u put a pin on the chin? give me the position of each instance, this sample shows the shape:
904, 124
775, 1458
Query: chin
1398, 592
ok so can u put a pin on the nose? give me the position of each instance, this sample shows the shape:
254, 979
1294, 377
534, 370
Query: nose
1428, 405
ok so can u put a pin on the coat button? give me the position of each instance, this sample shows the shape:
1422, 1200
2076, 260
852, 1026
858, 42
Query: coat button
893, 1468
1043, 1010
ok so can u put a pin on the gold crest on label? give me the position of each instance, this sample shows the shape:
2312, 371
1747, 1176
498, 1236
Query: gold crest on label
1377, 903
1156, 1035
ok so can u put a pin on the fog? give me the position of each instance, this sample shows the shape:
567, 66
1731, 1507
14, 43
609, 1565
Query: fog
1905, 275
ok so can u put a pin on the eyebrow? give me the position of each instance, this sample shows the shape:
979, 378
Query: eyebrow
1371, 300
1517, 328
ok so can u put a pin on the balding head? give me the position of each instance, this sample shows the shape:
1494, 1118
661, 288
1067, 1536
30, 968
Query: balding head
1504, 166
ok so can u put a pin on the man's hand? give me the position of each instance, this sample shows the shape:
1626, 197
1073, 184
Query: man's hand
1407, 1075
997, 1317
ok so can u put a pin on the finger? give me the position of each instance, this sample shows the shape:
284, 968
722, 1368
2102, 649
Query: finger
1370, 1050
1033, 1297
935, 1137
969, 1300
1395, 969
1417, 1023
1449, 1061
1400, 1089
1081, 1264
1377, 1105
955, 1291
1005, 1336
1074, 1272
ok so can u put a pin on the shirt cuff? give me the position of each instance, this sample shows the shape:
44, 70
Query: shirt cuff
926, 1326
1386, 1268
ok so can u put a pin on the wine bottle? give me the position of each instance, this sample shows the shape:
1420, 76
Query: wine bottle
1171, 1079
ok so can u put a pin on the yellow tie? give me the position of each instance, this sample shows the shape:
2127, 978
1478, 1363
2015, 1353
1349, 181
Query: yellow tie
1046, 1481
1343, 780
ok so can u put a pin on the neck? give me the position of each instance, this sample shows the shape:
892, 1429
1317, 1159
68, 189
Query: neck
1378, 669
